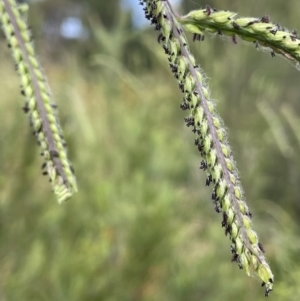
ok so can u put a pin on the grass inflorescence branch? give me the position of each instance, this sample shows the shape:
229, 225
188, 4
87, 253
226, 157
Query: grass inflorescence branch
211, 141
260, 31
39, 104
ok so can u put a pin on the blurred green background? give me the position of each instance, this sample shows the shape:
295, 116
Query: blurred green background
142, 226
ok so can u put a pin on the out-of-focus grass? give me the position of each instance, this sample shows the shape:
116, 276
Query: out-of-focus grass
142, 226
118, 237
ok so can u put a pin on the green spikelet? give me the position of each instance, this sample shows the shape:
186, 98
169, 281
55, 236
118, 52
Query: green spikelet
211, 138
259, 30
39, 104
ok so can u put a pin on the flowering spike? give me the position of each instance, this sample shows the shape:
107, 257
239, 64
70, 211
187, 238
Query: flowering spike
261, 31
39, 104
211, 138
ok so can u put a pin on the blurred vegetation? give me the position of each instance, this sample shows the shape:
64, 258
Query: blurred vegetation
142, 226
